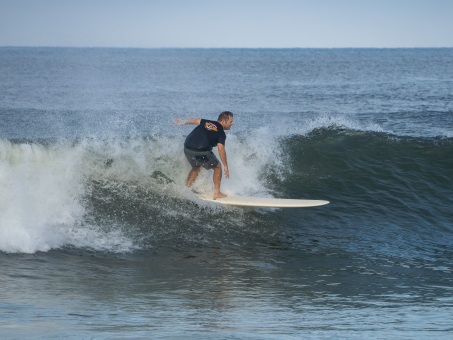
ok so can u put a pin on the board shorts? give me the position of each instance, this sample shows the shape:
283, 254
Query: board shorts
206, 159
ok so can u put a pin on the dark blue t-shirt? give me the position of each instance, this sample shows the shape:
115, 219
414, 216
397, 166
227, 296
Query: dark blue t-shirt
205, 136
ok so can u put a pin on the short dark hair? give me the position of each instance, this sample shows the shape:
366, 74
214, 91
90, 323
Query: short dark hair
225, 115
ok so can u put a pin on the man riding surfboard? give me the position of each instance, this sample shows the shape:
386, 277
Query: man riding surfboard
198, 148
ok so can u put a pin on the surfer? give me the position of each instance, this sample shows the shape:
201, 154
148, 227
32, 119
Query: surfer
198, 148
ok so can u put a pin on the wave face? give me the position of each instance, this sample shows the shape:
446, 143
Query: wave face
122, 195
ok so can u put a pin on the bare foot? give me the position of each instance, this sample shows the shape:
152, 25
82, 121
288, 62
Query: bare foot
219, 195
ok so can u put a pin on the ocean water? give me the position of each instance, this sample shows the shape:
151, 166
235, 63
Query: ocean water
99, 238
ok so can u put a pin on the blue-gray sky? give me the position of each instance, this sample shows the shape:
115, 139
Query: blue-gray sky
227, 23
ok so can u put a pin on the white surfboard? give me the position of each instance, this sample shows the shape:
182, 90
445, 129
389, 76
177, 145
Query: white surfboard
264, 202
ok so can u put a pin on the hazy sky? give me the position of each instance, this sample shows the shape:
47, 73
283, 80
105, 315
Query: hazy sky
227, 23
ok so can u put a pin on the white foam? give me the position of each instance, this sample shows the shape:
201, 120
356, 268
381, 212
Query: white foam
44, 189
41, 201
40, 190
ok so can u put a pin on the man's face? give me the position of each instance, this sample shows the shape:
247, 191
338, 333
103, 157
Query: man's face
228, 123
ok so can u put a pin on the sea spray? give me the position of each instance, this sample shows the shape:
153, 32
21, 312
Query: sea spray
42, 198
49, 189
40, 195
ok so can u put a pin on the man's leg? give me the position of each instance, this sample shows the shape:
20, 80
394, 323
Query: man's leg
193, 174
217, 178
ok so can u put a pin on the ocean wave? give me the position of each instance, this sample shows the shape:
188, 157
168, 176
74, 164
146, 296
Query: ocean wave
80, 193
127, 194
305, 124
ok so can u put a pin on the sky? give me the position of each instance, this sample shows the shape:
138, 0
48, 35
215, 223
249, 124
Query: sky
227, 23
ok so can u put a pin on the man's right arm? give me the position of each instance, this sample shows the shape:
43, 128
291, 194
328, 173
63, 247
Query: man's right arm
194, 121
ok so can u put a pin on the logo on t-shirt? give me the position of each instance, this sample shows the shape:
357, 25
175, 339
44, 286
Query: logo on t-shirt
210, 126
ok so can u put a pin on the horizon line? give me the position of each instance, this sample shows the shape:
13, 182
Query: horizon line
213, 48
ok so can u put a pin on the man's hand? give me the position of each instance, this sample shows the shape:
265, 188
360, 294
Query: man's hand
226, 172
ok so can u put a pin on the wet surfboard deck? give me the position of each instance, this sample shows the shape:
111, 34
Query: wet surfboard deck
264, 202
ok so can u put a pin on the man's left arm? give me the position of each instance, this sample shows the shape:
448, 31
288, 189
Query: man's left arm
223, 158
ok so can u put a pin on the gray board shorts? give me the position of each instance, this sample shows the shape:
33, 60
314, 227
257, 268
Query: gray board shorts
206, 159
